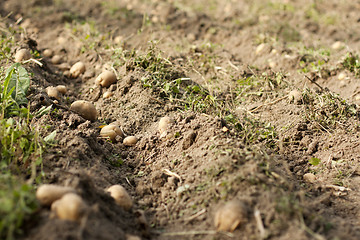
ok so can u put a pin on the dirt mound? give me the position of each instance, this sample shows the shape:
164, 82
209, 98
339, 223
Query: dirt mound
262, 100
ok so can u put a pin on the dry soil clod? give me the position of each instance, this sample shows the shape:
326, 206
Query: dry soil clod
130, 141
48, 193
309, 177
85, 109
230, 216
22, 55
121, 196
77, 69
106, 78
70, 207
111, 131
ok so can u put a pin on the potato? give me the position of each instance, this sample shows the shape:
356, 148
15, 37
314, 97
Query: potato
61, 89
295, 96
121, 196
111, 131
77, 69
70, 207
56, 59
22, 55
107, 94
53, 92
106, 78
85, 109
309, 177
47, 53
259, 48
130, 141
164, 124
342, 76
337, 45
230, 216
48, 193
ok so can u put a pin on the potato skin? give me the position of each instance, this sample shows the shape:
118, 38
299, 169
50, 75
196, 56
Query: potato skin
48, 193
70, 207
85, 109
164, 123
106, 78
77, 69
121, 196
130, 141
22, 55
111, 131
230, 216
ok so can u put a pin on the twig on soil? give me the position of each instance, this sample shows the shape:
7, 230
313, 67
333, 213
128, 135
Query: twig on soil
268, 104
148, 158
318, 85
200, 232
232, 65
198, 214
35, 61
172, 174
127, 180
260, 224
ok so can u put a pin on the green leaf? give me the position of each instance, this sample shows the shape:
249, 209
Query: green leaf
314, 161
17, 83
51, 137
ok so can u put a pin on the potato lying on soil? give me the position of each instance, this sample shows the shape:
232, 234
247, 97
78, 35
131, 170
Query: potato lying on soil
309, 177
48, 193
230, 216
130, 141
111, 131
77, 69
107, 94
22, 55
61, 89
85, 109
53, 92
56, 59
70, 207
295, 96
106, 78
165, 123
47, 53
121, 196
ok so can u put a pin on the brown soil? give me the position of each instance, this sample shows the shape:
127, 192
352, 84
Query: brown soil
177, 180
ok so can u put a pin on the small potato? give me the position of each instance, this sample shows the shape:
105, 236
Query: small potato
107, 94
106, 78
47, 53
61, 40
164, 124
130, 141
111, 131
53, 92
230, 216
342, 76
61, 88
309, 177
121, 196
70, 207
295, 96
85, 109
77, 69
337, 45
56, 59
22, 55
259, 48
48, 193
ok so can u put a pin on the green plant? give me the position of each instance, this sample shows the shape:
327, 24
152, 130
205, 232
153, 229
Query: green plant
352, 63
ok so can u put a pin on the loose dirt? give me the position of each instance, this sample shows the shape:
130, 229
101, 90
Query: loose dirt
238, 136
